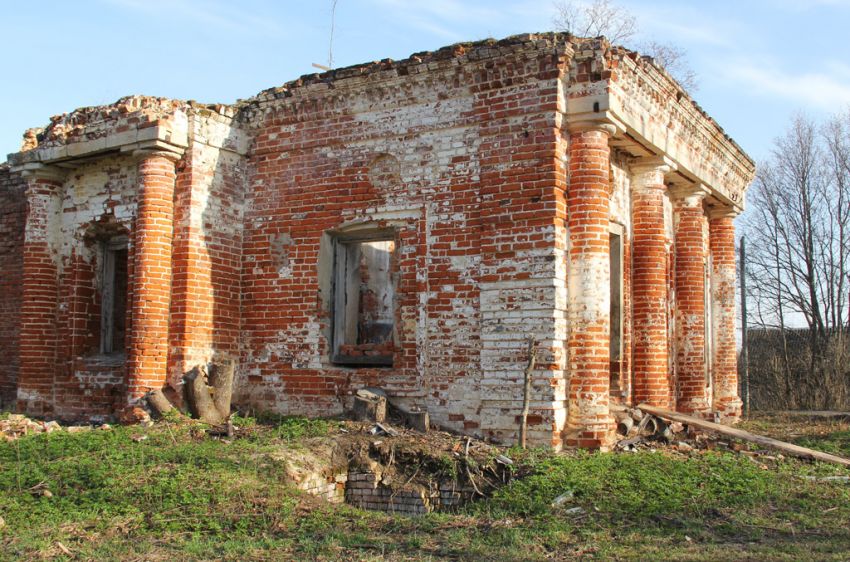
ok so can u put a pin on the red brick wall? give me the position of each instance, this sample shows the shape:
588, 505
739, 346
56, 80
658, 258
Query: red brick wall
522, 216
691, 253
98, 202
473, 203
649, 289
12, 220
723, 279
462, 157
589, 422
39, 332
206, 283
147, 353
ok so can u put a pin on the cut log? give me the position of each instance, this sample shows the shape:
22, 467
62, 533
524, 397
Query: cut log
370, 407
788, 448
370, 391
418, 420
221, 371
199, 399
210, 401
625, 425
648, 426
415, 419
158, 402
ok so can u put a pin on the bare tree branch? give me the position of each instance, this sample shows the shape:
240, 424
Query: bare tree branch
594, 18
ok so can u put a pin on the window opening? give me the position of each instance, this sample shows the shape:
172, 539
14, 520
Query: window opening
364, 297
615, 243
113, 307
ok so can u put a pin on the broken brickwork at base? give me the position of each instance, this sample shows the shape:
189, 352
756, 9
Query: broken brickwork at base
12, 220
367, 490
408, 225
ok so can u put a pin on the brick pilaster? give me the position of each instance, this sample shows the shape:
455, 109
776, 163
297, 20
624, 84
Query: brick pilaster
727, 403
649, 285
589, 422
690, 301
38, 343
148, 350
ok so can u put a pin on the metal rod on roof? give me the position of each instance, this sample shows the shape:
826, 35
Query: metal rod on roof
331, 45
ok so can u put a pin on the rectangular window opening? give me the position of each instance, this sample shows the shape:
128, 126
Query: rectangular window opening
364, 302
113, 309
615, 242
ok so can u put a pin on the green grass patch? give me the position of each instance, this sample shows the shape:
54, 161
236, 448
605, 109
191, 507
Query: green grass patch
178, 494
837, 443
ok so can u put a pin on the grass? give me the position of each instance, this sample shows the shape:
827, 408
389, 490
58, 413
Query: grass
178, 495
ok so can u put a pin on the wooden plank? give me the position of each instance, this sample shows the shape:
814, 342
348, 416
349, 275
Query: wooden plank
793, 450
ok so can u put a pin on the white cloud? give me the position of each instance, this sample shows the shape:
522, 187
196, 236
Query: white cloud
823, 90
688, 25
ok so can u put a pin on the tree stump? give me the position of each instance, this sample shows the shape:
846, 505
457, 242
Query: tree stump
370, 406
208, 391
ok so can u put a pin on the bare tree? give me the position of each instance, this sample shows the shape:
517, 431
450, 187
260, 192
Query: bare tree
592, 18
799, 229
674, 60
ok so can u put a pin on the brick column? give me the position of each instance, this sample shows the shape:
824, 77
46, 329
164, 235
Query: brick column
151, 296
727, 403
649, 285
38, 337
690, 300
589, 422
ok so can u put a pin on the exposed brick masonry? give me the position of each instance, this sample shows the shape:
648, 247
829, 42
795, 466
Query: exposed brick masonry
690, 301
499, 170
12, 220
725, 361
148, 350
649, 286
588, 422
40, 294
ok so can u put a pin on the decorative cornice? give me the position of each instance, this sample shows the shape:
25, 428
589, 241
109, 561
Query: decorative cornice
153, 147
690, 195
600, 125
722, 212
649, 164
36, 170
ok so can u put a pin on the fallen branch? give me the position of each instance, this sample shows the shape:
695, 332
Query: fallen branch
790, 449
526, 394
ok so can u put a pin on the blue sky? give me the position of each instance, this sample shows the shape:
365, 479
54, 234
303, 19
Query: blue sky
758, 61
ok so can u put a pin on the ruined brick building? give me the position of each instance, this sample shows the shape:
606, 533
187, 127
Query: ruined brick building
401, 224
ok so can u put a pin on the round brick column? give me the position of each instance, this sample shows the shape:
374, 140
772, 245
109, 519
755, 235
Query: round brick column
589, 423
151, 284
691, 367
650, 364
38, 336
727, 403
